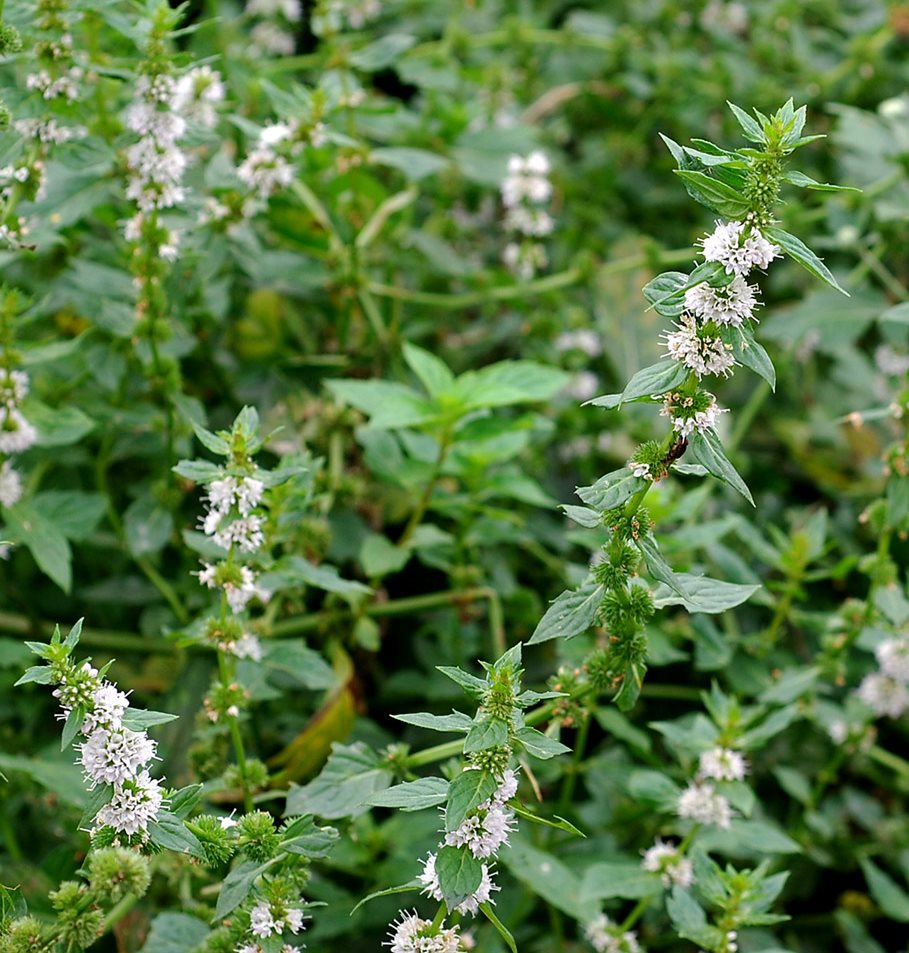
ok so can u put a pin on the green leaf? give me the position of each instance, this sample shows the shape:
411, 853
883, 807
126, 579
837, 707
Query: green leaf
751, 129
237, 886
658, 567
545, 875
474, 686
39, 674
380, 557
387, 404
806, 182
422, 719
175, 933
706, 449
74, 513
689, 919
665, 293
303, 836
715, 194
652, 381
887, 893
796, 249
627, 881
182, 803
416, 164
559, 823
468, 790
44, 540
572, 613
388, 892
539, 745
12, 904
611, 490
433, 373
71, 726
198, 471
489, 733
138, 719
296, 569
351, 775
147, 525
504, 932
61, 426
703, 594
507, 383
211, 441
383, 52
412, 795
169, 831
459, 873
582, 515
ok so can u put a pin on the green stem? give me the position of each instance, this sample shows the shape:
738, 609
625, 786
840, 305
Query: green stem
635, 915
890, 760
118, 911
234, 724
439, 918
417, 516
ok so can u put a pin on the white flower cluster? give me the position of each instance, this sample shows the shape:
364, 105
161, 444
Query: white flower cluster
670, 863
689, 413
700, 802
886, 692
332, 15
482, 833
32, 175
607, 937
197, 95
48, 131
112, 754
582, 339
273, 33
738, 247
723, 764
525, 191
271, 919
265, 170
411, 934
230, 521
16, 433
63, 86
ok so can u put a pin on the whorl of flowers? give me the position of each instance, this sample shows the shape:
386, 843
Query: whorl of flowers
670, 863
272, 919
691, 412
739, 247
411, 934
57, 76
276, 20
607, 937
886, 691
331, 16
112, 754
525, 192
197, 94
16, 433
701, 802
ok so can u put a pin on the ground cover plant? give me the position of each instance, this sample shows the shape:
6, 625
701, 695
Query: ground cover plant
454, 479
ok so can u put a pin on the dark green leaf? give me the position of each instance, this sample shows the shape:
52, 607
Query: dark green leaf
798, 250
572, 613
468, 790
706, 449
412, 795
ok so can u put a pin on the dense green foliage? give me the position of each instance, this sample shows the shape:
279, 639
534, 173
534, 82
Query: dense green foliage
310, 300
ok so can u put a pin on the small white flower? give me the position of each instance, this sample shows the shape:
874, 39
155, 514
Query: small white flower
582, 339
10, 485
884, 695
227, 822
16, 433
264, 171
605, 937
527, 180
108, 707
261, 922
508, 787
247, 646
893, 657
410, 934
270, 38
640, 470
135, 802
732, 304
700, 802
673, 867
116, 755
245, 533
484, 832
701, 353
294, 918
723, 764
736, 253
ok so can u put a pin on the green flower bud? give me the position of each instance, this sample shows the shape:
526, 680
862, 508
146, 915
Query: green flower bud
67, 895
599, 670
21, 936
116, 871
10, 40
5, 116
495, 760
257, 835
216, 840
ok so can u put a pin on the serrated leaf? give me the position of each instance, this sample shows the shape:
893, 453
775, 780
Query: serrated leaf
138, 719
169, 831
412, 795
705, 448
39, 674
475, 687
303, 836
237, 886
703, 594
611, 490
539, 745
715, 194
582, 515
489, 733
198, 471
571, 614
797, 249
468, 790
749, 126
459, 873
456, 721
